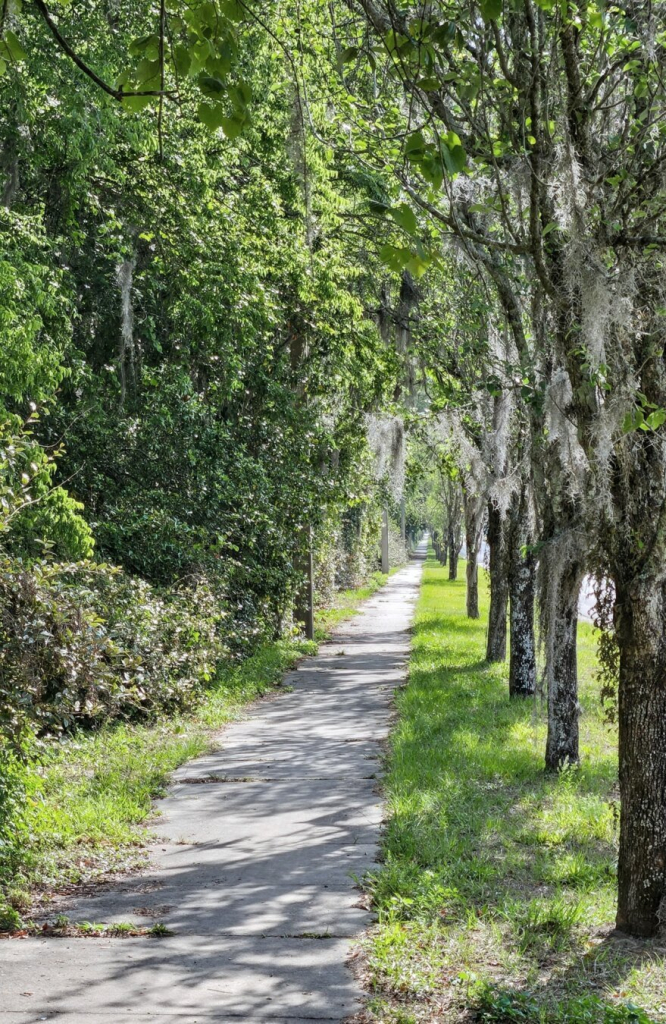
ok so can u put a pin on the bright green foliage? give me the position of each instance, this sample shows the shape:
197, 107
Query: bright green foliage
491, 1004
34, 314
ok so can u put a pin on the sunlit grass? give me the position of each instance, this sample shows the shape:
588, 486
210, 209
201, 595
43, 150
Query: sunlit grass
497, 876
89, 797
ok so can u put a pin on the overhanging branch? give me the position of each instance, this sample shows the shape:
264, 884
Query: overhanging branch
116, 94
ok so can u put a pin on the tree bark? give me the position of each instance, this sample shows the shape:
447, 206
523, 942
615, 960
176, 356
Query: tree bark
499, 587
473, 508
453, 555
563, 711
521, 582
640, 617
472, 577
522, 659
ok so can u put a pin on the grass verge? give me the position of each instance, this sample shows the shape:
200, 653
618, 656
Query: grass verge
496, 898
347, 603
89, 797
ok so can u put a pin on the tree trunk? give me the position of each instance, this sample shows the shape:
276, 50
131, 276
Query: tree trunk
499, 587
472, 576
521, 581
453, 557
522, 659
562, 742
640, 617
304, 603
473, 509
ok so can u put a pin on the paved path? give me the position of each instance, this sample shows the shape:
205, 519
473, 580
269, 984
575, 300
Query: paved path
259, 840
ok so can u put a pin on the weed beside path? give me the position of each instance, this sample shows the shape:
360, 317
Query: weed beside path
89, 797
496, 899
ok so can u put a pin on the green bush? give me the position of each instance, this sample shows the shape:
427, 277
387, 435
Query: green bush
81, 643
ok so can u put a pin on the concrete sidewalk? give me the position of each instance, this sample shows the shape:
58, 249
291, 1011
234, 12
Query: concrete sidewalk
254, 873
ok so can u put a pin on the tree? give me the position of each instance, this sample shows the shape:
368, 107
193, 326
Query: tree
571, 103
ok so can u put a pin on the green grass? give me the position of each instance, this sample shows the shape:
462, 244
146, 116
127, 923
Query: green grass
496, 897
89, 797
347, 603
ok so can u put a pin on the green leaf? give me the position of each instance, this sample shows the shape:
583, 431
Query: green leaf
415, 144
430, 84
431, 169
633, 420
212, 87
12, 46
454, 158
182, 60
417, 265
146, 46
233, 126
240, 95
199, 54
212, 116
148, 74
3, 66
233, 11
136, 103
405, 218
351, 53
220, 66
395, 258
491, 10
656, 418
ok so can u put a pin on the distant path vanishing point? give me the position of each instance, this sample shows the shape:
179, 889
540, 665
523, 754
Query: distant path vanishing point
253, 873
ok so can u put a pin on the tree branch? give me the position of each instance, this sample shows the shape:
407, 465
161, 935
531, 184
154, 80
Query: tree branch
116, 94
635, 241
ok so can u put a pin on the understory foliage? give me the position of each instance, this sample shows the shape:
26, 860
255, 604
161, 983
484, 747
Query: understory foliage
190, 354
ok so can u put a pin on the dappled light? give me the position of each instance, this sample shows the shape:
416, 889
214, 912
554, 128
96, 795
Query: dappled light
508, 871
299, 300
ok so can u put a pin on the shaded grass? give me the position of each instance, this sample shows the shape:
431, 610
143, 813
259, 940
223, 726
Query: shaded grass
347, 603
89, 797
496, 898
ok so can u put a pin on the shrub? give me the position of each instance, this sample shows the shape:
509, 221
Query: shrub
83, 642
